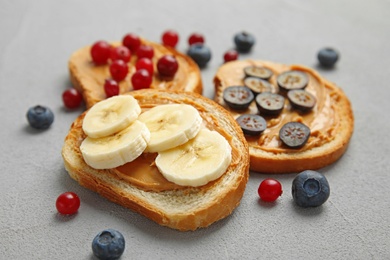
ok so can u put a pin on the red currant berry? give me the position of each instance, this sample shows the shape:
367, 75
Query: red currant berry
119, 70
131, 41
68, 203
167, 65
120, 53
141, 79
72, 98
145, 51
145, 63
100, 52
170, 38
195, 38
269, 190
111, 88
230, 55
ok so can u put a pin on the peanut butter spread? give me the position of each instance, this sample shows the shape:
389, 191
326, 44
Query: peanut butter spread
143, 173
90, 77
322, 119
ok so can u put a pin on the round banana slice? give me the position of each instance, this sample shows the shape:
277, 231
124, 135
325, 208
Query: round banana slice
201, 160
170, 125
115, 150
111, 116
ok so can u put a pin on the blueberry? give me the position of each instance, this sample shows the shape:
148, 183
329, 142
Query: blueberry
270, 103
244, 41
238, 97
40, 117
200, 53
294, 134
310, 189
293, 79
252, 124
327, 57
258, 72
258, 85
108, 245
301, 99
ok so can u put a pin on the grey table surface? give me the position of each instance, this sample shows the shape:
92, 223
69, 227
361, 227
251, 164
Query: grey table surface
37, 38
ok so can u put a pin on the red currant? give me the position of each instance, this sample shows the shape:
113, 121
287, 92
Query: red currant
170, 38
68, 203
100, 52
145, 51
119, 70
167, 65
120, 53
145, 63
111, 88
269, 190
141, 79
195, 38
131, 41
230, 55
72, 98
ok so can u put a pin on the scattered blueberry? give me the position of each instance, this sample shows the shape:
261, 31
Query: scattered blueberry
40, 117
294, 134
244, 41
200, 53
328, 57
238, 97
108, 245
252, 124
310, 189
269, 103
293, 79
301, 99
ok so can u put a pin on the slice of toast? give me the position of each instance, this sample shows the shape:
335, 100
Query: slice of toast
183, 208
89, 78
330, 121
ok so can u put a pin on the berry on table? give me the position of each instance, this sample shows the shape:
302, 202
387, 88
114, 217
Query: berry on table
111, 88
145, 51
145, 63
40, 117
100, 52
270, 190
328, 57
200, 53
230, 55
108, 244
167, 65
244, 41
68, 203
120, 53
170, 38
72, 98
131, 41
141, 79
118, 70
195, 38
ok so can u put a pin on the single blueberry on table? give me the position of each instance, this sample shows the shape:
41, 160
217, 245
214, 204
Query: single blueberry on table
244, 41
40, 117
328, 57
310, 189
108, 245
200, 53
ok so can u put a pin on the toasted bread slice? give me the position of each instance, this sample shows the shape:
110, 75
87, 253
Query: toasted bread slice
331, 121
183, 208
89, 78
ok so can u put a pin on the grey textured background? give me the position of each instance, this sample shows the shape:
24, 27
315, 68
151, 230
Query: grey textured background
37, 38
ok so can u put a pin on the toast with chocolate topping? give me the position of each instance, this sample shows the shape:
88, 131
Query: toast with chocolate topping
319, 108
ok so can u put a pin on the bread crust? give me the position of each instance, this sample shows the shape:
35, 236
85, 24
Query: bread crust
295, 160
89, 78
183, 209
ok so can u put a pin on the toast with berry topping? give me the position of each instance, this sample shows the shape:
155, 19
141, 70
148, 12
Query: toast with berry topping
89, 78
141, 185
308, 120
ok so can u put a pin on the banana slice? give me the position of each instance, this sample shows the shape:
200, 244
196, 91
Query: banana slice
111, 116
118, 149
170, 125
201, 160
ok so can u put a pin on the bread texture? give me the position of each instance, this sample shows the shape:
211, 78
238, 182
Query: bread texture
183, 209
331, 121
89, 78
